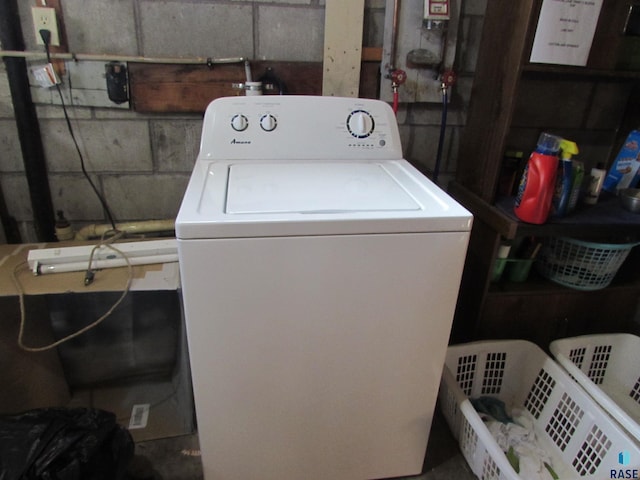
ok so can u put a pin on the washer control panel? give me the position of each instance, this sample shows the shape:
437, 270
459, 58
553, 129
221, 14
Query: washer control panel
299, 127
360, 123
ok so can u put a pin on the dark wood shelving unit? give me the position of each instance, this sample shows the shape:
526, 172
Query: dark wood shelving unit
583, 72
506, 111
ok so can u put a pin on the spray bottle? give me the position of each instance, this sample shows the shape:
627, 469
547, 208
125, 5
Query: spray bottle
538, 181
564, 181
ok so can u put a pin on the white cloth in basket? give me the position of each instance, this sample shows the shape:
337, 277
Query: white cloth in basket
521, 437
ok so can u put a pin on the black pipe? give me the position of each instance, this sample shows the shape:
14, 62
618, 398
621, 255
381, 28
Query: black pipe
27, 123
9, 225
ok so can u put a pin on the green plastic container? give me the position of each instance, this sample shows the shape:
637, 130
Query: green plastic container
517, 269
498, 268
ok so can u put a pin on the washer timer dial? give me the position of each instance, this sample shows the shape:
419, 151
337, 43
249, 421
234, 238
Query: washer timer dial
360, 124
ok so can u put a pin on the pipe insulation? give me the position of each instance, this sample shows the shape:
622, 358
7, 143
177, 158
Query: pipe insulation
145, 226
27, 123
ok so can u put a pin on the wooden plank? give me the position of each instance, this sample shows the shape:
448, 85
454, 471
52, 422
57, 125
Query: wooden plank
162, 88
180, 88
342, 47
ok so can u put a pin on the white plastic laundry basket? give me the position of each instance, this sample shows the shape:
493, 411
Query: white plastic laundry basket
608, 367
581, 439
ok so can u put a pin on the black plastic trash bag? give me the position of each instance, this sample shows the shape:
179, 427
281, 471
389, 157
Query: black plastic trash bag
64, 444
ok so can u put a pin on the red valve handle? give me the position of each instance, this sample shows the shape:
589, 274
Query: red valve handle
449, 78
398, 77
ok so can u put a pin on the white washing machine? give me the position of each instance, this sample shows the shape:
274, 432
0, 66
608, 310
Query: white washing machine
320, 273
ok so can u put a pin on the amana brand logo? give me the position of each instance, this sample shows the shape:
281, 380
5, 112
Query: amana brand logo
624, 459
240, 142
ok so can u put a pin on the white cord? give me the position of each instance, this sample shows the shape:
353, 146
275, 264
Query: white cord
21, 294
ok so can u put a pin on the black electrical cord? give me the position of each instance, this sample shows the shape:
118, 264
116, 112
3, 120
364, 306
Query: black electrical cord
46, 38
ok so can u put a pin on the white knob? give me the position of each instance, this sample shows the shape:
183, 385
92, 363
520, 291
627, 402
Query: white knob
239, 123
360, 124
268, 123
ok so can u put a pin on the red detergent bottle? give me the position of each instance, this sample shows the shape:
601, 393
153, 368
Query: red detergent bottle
537, 185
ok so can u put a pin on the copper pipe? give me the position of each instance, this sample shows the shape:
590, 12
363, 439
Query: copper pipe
394, 33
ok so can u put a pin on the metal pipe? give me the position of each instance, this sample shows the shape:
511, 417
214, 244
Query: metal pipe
27, 123
120, 58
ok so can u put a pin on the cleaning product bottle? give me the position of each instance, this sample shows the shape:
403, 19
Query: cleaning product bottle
564, 180
596, 180
538, 181
576, 187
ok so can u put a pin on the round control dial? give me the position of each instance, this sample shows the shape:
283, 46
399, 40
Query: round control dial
360, 123
268, 122
239, 123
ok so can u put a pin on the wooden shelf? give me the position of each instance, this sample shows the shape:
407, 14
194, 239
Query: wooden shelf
566, 70
605, 220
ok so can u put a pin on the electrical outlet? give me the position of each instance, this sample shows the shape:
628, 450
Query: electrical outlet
44, 18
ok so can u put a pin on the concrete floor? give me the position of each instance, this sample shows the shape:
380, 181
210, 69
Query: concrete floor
178, 458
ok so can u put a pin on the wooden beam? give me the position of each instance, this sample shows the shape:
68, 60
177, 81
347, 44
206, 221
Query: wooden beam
342, 47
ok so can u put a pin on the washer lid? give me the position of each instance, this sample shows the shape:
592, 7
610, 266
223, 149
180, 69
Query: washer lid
267, 198
306, 187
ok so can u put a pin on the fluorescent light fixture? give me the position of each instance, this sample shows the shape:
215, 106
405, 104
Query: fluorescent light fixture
73, 259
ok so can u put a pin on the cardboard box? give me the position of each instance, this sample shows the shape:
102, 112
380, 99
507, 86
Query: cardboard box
127, 354
625, 171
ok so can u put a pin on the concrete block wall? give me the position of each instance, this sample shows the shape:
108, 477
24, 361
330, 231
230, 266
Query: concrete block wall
141, 163
420, 122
